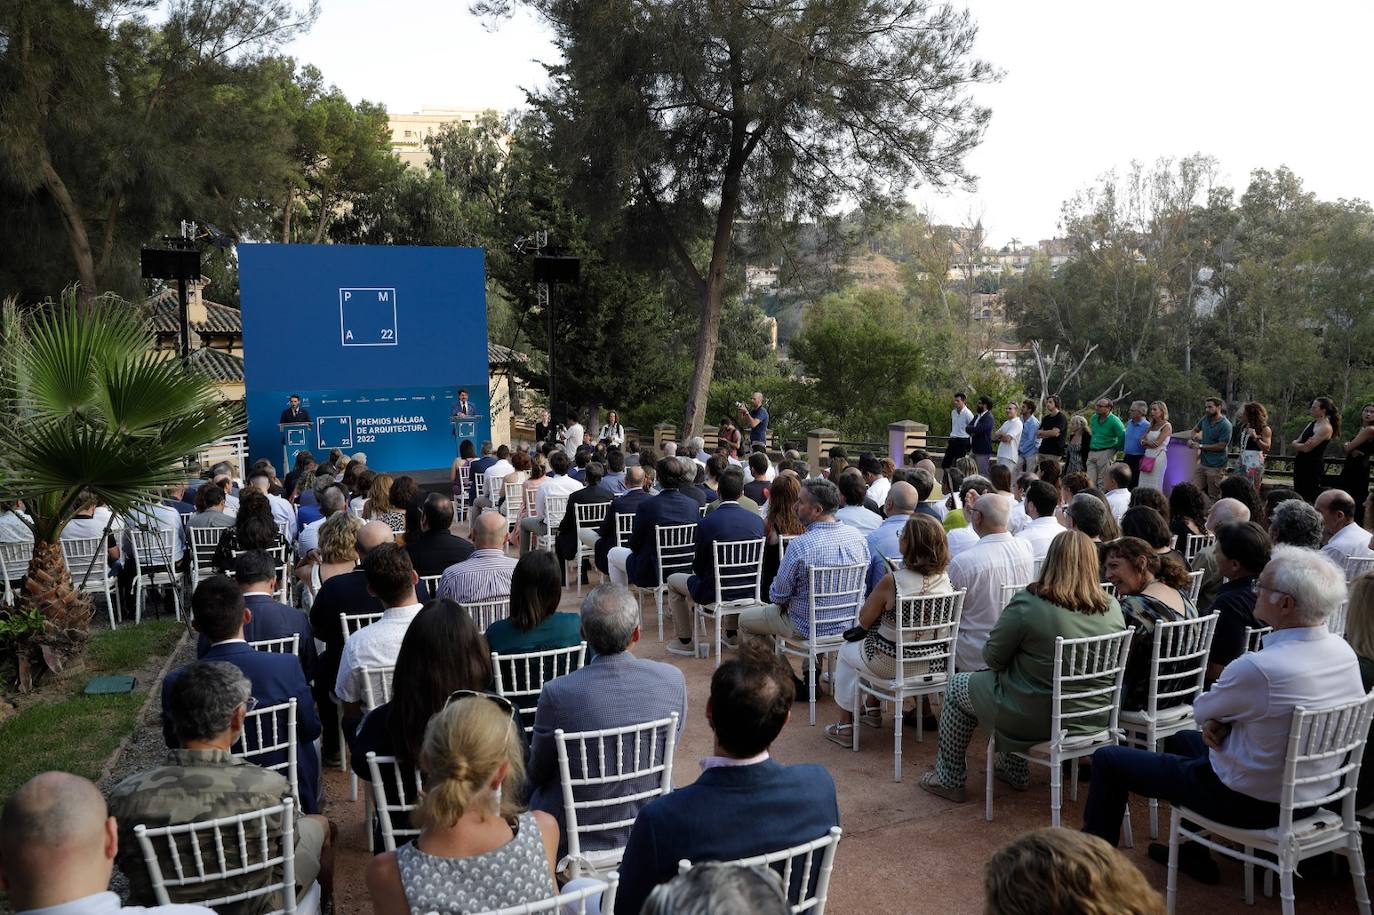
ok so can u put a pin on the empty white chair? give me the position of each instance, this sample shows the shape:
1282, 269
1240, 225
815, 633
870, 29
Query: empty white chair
675, 548
522, 676
486, 612
464, 481
153, 552
270, 731
836, 592
480, 486
1109, 588
571, 902
1317, 740
1178, 666
90, 570
1088, 673
617, 768
287, 645
739, 568
796, 866
588, 515
232, 850
927, 628
14, 563
1194, 585
393, 799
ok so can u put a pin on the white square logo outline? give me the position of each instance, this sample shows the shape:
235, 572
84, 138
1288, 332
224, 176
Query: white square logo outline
343, 326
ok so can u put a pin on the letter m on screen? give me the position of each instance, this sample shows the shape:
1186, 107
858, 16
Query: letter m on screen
367, 316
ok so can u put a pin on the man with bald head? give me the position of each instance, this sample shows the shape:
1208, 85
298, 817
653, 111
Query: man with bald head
901, 501
997, 559
1224, 511
57, 849
485, 575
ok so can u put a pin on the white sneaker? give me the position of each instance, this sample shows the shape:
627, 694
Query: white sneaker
687, 651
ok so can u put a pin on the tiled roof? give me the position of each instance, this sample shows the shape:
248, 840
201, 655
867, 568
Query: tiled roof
220, 319
497, 354
217, 364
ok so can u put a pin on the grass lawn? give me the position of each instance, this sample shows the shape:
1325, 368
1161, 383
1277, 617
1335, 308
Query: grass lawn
76, 733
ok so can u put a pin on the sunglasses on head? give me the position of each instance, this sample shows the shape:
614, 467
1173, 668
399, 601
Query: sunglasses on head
505, 704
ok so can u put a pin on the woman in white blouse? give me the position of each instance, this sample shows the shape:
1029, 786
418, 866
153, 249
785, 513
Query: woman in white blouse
612, 433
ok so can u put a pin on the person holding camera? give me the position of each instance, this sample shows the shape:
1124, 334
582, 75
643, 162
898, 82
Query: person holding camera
755, 420
612, 433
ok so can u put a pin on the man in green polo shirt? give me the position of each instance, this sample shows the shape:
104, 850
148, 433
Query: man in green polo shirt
1211, 438
1108, 436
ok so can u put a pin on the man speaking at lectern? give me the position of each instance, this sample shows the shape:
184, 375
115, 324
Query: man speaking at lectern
295, 413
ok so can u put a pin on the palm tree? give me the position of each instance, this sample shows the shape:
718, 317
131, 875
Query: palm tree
88, 407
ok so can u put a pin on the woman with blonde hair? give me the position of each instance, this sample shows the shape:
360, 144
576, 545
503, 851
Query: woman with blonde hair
378, 504
1063, 870
338, 552
1012, 698
870, 648
477, 849
1076, 452
1156, 442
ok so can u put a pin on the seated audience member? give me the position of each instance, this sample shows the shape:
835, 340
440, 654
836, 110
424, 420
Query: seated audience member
436, 549
1187, 512
1042, 526
883, 541
1151, 498
1059, 870
732, 522
924, 482
612, 690
57, 851
614, 480
174, 498
1018, 509
362, 492
392, 580
478, 849
535, 624
283, 512
918, 569
486, 573
336, 552
592, 493
877, 482
1050, 470
331, 500
206, 705
256, 576
494, 479
1224, 511
1149, 525
1295, 523
719, 889
1242, 490
637, 562
479, 467
407, 499
963, 535
379, 508
743, 803
1359, 632
714, 468
780, 519
1345, 539
1012, 697
254, 529
1151, 589
853, 493
1232, 771
1087, 514
210, 509
219, 613
757, 487
1117, 483
86, 524
1241, 553
627, 504
304, 459
1111, 530
826, 542
999, 475
997, 559
1273, 498
556, 483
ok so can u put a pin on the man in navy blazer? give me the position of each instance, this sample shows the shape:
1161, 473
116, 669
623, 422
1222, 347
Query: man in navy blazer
730, 521
256, 575
591, 493
613, 690
638, 562
218, 613
627, 504
743, 803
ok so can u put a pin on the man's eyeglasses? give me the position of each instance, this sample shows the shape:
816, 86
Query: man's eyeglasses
1259, 586
249, 704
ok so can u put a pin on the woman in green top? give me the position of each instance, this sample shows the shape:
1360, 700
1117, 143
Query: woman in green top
1012, 698
534, 624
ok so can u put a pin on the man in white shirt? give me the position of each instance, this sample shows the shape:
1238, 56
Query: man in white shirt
854, 490
878, 485
1347, 539
1008, 438
57, 850
572, 439
1118, 483
495, 477
1232, 770
283, 512
971, 490
391, 579
157, 517
959, 441
558, 483
1043, 526
997, 559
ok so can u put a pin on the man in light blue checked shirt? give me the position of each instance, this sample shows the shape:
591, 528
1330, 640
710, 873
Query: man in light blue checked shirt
827, 542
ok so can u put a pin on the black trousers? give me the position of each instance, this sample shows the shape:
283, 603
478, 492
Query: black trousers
958, 447
1133, 462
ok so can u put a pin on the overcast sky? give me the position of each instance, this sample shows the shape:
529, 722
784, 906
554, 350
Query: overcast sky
1088, 86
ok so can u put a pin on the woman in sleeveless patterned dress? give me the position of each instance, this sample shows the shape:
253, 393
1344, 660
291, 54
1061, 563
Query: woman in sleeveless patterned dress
477, 850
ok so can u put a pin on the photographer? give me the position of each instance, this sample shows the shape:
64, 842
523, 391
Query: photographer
612, 433
755, 420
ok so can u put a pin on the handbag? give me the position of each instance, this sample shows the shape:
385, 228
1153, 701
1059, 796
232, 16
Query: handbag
1147, 464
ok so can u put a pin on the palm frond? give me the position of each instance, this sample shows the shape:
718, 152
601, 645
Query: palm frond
66, 345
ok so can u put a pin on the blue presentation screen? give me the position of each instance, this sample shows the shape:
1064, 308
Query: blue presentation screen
376, 340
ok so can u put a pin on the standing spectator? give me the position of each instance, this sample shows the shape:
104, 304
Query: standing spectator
1241, 553
1211, 437
572, 437
1080, 438
980, 434
1053, 433
1028, 449
960, 418
1310, 445
1134, 448
1009, 438
1041, 499
997, 559
754, 419
612, 433
1155, 444
1355, 472
1108, 436
1256, 438
1345, 539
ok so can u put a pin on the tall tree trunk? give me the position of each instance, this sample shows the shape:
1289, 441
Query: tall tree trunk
708, 331
66, 610
77, 238
322, 221
286, 214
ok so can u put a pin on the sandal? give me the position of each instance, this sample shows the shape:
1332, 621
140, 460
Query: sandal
842, 734
872, 716
931, 784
